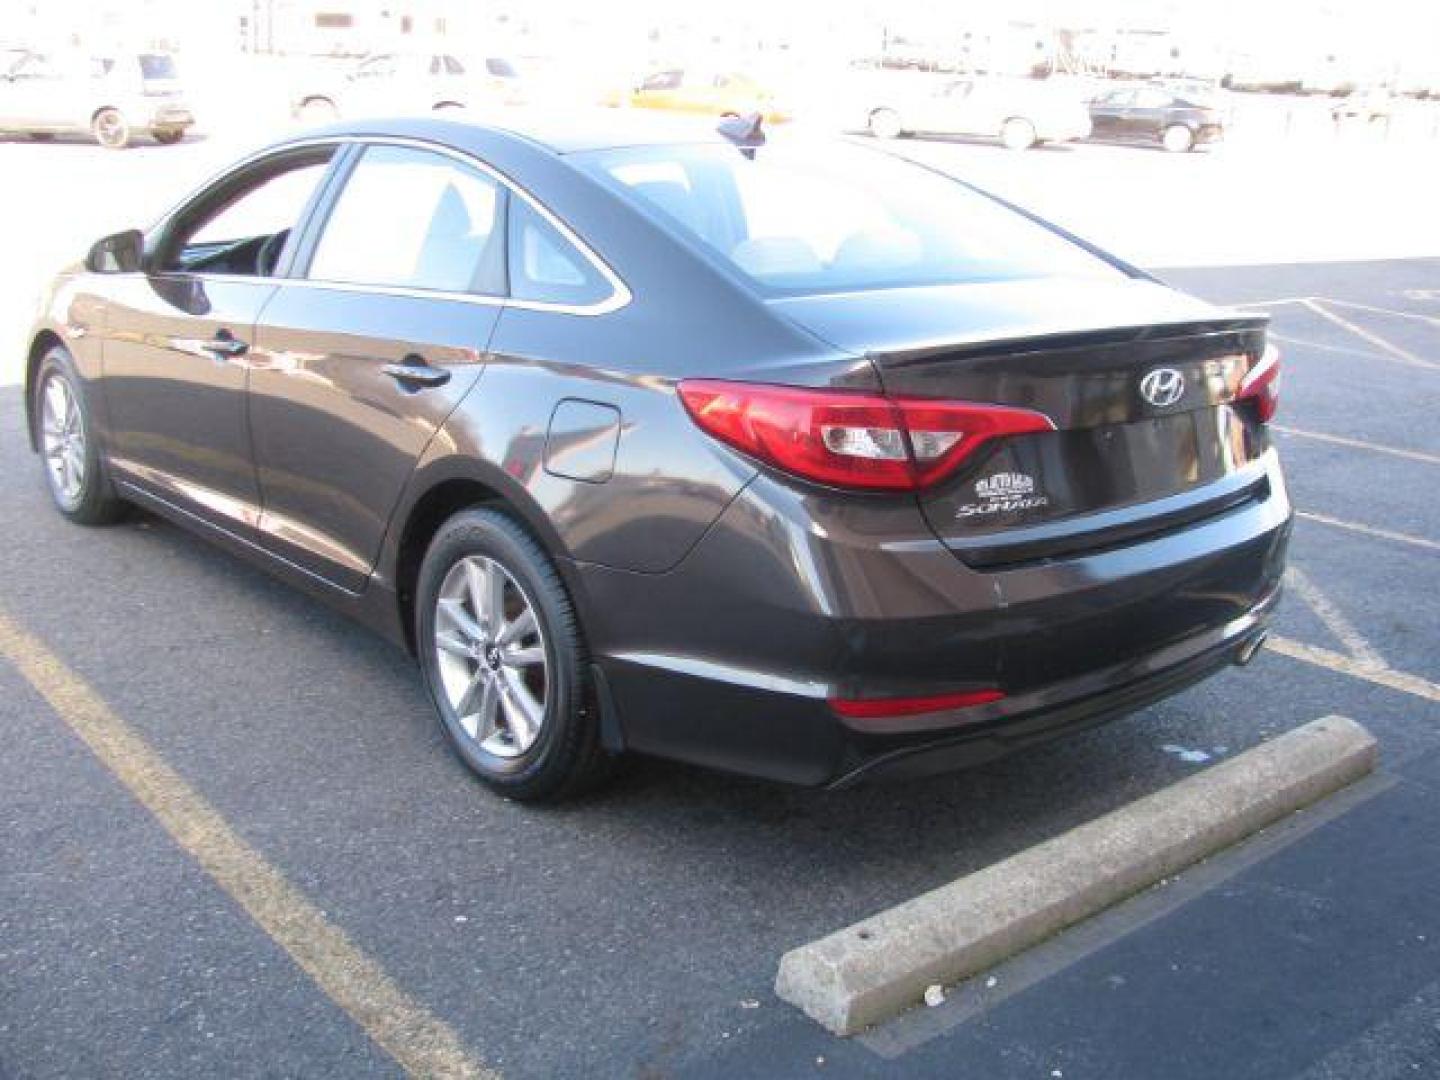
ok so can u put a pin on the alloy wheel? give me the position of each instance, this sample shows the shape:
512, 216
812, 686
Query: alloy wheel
62, 433
490, 652
111, 130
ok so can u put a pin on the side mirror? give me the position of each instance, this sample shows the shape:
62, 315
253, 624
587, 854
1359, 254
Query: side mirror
120, 253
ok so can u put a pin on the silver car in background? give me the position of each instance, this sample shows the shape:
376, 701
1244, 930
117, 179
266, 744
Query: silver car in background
394, 84
1021, 113
113, 98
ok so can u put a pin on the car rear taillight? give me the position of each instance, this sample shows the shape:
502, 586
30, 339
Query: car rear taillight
851, 439
1261, 384
881, 708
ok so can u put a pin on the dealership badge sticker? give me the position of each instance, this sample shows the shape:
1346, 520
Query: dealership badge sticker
1003, 493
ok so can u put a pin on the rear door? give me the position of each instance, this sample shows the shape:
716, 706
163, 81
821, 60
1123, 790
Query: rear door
1109, 114
953, 110
370, 344
1150, 115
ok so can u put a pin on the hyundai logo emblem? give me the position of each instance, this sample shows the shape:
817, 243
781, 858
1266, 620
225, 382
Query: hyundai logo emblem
1162, 387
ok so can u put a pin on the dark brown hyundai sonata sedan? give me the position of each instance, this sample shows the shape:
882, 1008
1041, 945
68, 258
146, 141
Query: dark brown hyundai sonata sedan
794, 460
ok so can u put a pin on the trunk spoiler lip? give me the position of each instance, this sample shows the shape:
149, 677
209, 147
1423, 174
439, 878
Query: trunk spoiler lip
1055, 339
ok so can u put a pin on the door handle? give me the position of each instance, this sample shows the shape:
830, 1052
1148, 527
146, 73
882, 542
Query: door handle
414, 374
225, 343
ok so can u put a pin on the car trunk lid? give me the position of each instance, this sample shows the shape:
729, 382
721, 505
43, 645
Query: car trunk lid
1138, 380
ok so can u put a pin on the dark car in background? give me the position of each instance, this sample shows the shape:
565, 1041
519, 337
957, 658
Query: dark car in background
798, 461
1155, 116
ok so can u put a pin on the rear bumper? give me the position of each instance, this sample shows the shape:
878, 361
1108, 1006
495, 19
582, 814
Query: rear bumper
792, 599
170, 118
1068, 708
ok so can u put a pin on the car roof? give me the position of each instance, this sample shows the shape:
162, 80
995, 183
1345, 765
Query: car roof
574, 132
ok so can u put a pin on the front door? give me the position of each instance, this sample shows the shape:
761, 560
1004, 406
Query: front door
1109, 114
177, 342
36, 96
364, 353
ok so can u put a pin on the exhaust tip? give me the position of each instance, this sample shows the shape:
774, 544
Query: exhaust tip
1250, 648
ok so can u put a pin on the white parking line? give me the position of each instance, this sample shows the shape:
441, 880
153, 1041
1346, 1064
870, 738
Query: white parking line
1430, 319
1359, 444
1343, 350
1334, 619
1346, 665
1274, 303
1369, 530
1403, 355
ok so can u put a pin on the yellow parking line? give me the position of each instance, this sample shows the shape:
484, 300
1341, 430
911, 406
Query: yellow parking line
422, 1044
1348, 665
1368, 530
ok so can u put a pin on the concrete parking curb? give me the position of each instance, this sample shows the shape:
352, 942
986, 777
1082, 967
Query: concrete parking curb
872, 970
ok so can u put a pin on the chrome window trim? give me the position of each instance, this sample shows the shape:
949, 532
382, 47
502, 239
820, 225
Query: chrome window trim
620, 294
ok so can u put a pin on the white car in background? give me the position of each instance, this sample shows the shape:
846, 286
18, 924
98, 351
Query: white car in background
114, 98
390, 84
1021, 113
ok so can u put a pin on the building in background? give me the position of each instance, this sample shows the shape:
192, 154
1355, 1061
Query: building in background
1314, 45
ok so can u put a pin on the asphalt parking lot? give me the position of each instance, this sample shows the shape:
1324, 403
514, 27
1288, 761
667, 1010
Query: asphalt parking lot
637, 933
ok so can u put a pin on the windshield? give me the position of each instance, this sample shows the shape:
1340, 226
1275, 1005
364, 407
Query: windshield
156, 66
834, 217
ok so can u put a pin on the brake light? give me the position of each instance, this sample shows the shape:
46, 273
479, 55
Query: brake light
878, 708
1261, 384
851, 439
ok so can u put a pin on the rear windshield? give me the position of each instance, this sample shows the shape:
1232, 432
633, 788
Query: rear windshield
833, 217
156, 66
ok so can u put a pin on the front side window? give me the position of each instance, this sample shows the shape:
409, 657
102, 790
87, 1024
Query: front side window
828, 217
243, 228
34, 66
377, 67
662, 80
414, 219
546, 267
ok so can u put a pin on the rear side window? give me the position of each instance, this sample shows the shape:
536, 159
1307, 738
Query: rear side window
546, 267
812, 217
414, 219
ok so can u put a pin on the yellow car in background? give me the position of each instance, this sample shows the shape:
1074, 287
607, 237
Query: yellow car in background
716, 93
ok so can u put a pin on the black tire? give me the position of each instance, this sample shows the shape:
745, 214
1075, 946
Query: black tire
566, 757
168, 137
886, 124
42, 136
94, 502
